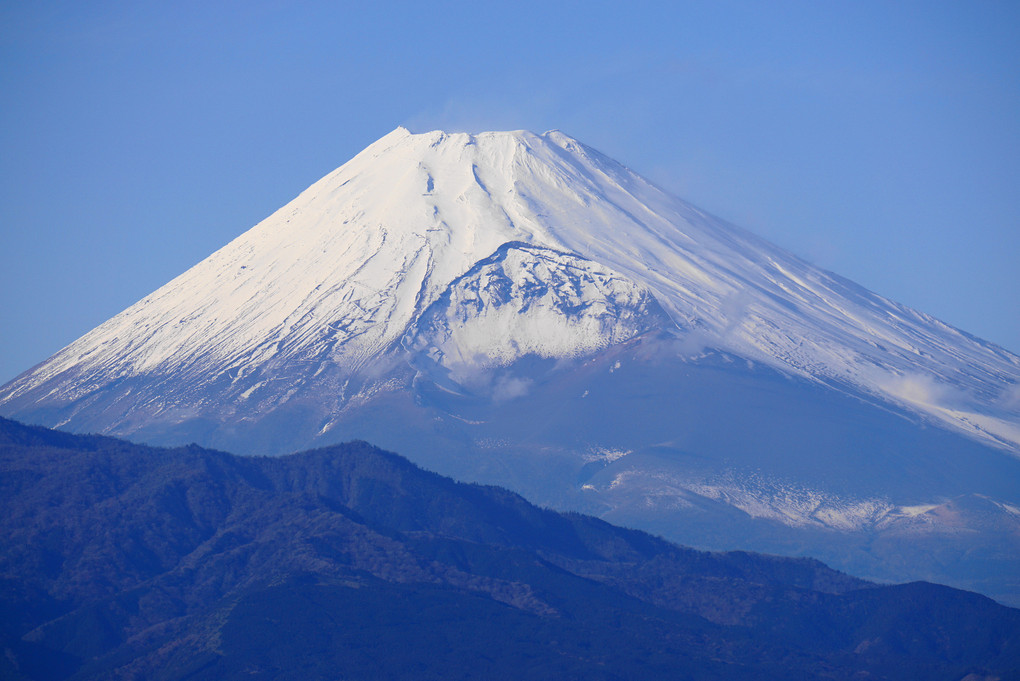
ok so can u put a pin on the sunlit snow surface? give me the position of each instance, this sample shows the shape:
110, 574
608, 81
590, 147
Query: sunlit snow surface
340, 274
475, 267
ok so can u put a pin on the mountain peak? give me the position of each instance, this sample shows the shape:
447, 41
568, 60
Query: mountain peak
520, 309
340, 277
491, 139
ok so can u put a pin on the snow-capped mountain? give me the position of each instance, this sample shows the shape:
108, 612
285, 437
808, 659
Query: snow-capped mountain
520, 309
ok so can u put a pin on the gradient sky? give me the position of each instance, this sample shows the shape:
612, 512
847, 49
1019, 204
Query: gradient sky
879, 140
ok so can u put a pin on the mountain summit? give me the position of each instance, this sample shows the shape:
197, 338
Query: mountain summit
520, 309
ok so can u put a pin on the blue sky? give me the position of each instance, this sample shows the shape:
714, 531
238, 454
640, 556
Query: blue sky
879, 140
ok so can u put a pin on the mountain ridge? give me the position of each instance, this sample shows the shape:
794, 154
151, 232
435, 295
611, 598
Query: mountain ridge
188, 563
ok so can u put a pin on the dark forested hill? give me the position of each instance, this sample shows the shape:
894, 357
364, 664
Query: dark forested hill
124, 561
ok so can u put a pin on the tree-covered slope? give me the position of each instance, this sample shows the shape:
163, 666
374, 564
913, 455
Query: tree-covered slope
124, 561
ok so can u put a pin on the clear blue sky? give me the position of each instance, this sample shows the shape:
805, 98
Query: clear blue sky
880, 140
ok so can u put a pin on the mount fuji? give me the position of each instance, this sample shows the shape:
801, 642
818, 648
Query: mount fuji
519, 309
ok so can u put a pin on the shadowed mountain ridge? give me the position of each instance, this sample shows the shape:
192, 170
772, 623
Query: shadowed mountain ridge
138, 562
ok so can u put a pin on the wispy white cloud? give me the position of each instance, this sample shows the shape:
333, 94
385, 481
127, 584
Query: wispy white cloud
510, 388
1011, 397
923, 390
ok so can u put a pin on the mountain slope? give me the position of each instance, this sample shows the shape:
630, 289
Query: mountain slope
519, 309
337, 278
123, 560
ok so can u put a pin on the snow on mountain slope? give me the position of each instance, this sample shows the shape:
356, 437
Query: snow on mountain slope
519, 309
334, 281
528, 300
